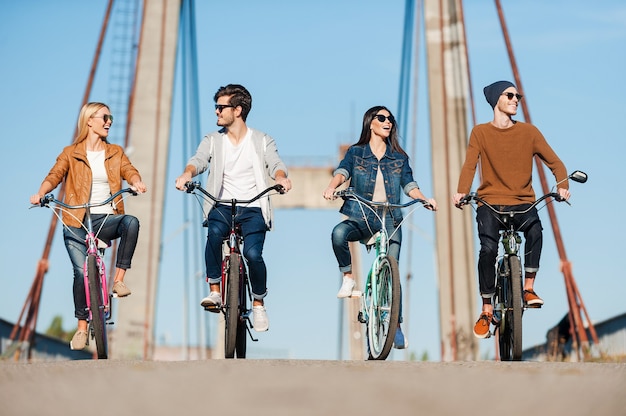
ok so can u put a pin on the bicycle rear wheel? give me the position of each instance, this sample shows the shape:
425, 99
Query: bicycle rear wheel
242, 325
231, 309
384, 309
98, 315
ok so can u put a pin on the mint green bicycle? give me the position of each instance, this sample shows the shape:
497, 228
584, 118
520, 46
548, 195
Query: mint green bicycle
380, 303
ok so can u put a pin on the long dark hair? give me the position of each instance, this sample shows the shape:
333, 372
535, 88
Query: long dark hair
366, 131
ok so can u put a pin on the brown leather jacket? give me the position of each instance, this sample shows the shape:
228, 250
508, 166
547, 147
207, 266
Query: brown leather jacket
72, 165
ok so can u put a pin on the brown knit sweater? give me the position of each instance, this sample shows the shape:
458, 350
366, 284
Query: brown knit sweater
506, 161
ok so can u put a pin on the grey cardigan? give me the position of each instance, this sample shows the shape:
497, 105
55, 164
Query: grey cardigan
210, 156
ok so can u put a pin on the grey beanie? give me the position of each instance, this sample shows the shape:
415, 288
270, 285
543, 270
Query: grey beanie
494, 91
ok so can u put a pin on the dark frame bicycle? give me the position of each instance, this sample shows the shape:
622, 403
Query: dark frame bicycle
508, 302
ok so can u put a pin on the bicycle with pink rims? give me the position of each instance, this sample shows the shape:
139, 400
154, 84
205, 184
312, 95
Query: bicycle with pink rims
99, 303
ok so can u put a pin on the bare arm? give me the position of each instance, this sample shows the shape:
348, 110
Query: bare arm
416, 193
190, 172
332, 186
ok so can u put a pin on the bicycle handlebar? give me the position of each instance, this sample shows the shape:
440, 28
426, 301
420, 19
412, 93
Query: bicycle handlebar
50, 198
350, 193
191, 186
473, 196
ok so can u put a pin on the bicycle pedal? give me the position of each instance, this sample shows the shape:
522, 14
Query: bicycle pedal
535, 306
213, 309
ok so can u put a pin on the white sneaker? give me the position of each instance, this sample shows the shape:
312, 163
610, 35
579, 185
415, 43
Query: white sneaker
346, 288
260, 321
212, 302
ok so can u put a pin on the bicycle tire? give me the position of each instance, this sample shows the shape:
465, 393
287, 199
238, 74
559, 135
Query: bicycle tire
503, 293
517, 307
384, 309
231, 309
98, 316
242, 325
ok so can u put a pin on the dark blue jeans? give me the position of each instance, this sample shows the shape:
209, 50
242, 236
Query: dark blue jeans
124, 227
253, 229
356, 229
489, 234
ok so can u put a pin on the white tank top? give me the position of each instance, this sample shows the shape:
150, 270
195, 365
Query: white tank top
100, 189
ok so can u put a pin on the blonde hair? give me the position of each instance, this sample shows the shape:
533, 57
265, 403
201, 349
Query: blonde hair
88, 111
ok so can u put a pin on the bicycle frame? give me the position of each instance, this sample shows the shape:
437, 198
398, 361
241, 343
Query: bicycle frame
380, 303
94, 270
235, 283
508, 299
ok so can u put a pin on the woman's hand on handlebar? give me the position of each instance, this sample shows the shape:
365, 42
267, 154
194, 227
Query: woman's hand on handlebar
432, 204
329, 193
139, 187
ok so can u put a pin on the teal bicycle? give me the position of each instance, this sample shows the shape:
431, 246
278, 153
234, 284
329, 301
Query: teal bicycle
380, 302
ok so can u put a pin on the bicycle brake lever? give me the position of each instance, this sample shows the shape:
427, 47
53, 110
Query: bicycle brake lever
280, 189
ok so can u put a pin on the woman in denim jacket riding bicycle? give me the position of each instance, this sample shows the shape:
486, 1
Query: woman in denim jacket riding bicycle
378, 169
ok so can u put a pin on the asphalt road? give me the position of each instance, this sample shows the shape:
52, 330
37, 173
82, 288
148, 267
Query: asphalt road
306, 387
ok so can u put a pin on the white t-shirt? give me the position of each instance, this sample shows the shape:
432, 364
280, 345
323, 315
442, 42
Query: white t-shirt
239, 181
100, 189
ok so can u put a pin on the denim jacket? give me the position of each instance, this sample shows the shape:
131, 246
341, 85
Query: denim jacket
361, 167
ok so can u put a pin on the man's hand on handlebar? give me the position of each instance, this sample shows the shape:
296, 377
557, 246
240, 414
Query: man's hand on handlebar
284, 182
564, 193
181, 181
458, 200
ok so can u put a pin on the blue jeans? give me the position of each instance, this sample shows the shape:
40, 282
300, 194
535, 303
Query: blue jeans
253, 229
124, 227
489, 234
356, 229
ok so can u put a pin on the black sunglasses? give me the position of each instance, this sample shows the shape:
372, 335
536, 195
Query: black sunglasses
220, 107
105, 117
382, 118
510, 95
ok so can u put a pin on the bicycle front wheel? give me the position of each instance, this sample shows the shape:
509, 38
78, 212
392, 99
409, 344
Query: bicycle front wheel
510, 332
231, 309
517, 307
96, 306
383, 309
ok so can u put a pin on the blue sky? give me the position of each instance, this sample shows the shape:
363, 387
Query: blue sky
313, 68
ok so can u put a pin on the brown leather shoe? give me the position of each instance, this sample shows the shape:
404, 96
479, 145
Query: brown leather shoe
481, 328
532, 300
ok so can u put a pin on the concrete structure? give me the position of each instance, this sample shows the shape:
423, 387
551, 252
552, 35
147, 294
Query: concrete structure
149, 122
448, 91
